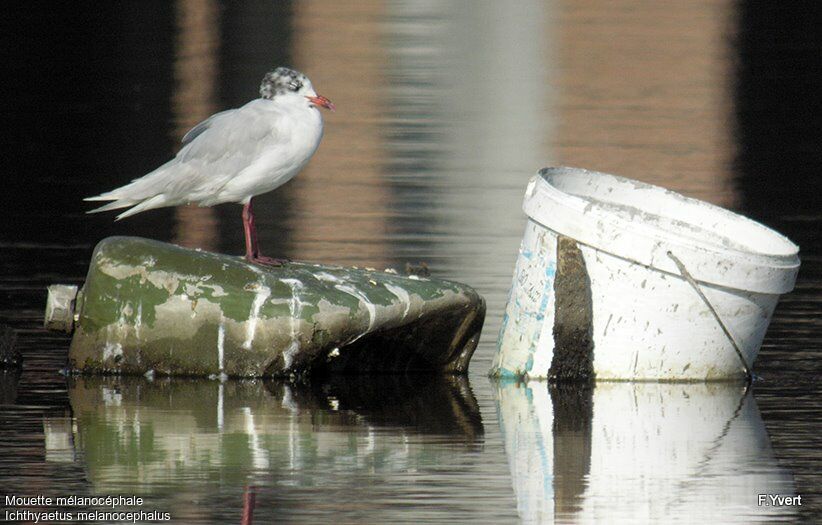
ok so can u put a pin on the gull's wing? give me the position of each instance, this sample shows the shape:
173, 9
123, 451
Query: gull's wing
230, 143
214, 151
194, 132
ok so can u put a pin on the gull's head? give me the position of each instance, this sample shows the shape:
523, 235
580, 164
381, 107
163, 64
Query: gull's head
289, 84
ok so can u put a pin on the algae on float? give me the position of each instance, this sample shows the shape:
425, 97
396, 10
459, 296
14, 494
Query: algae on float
149, 306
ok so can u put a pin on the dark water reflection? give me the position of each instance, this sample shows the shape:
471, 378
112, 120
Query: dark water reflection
444, 112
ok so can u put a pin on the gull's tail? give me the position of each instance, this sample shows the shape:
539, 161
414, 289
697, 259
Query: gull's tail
157, 201
139, 195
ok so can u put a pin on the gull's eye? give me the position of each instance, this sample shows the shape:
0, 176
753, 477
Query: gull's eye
295, 86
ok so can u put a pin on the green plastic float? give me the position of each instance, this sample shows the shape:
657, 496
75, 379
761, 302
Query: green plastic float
149, 307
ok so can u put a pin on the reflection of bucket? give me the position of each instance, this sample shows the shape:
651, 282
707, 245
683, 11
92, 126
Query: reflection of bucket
626, 280
639, 453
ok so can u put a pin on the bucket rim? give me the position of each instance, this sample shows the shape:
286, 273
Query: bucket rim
659, 222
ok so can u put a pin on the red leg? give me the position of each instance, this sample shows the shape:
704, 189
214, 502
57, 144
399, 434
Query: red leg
249, 230
248, 506
252, 246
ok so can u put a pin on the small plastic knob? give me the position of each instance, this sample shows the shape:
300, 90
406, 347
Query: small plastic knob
60, 308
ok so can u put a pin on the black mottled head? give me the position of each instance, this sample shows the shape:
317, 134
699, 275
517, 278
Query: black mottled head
284, 80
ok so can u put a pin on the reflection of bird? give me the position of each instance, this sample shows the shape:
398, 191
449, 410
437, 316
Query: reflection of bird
235, 154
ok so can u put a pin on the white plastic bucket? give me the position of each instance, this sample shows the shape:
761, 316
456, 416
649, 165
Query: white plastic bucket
650, 285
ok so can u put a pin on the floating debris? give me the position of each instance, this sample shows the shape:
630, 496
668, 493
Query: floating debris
419, 270
148, 305
621, 280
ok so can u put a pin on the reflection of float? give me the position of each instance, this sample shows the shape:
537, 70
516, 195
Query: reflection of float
639, 452
191, 446
137, 433
360, 446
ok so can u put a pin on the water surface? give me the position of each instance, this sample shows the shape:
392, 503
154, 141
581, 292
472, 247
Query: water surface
444, 112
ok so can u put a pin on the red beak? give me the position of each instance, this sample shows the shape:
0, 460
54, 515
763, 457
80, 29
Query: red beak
320, 100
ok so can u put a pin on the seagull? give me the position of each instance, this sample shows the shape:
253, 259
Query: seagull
235, 155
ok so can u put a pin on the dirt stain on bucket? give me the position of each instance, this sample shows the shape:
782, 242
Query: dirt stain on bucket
573, 358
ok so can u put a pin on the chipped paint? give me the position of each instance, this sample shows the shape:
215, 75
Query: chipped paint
221, 346
290, 353
369, 306
402, 295
263, 293
112, 351
295, 306
325, 276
